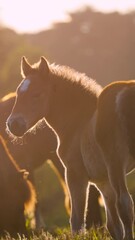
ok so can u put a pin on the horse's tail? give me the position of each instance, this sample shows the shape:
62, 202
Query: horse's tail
125, 107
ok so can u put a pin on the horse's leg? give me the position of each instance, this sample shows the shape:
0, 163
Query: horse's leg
77, 184
113, 222
93, 217
124, 201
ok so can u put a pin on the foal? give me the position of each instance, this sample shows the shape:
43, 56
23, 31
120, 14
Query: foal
38, 147
68, 101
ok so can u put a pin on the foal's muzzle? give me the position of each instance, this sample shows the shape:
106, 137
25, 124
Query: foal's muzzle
17, 126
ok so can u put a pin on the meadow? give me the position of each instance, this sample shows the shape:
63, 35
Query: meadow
65, 234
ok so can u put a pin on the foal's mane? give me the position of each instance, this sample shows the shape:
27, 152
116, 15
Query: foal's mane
75, 78
71, 77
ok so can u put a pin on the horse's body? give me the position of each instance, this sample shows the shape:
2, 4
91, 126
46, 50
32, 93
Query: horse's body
68, 101
115, 133
35, 149
16, 194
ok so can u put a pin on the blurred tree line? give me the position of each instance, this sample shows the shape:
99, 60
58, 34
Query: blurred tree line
101, 45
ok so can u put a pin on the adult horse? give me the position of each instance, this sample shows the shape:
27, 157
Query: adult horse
68, 101
17, 194
35, 149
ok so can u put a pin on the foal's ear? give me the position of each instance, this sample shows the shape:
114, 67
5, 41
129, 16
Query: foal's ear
43, 66
25, 67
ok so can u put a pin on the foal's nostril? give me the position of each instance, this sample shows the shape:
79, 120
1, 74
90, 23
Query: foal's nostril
17, 126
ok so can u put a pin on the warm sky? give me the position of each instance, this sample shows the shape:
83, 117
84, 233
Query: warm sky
36, 15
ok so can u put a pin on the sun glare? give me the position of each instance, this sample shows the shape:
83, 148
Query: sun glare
31, 16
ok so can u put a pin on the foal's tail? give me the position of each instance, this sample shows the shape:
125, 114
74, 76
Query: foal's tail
125, 107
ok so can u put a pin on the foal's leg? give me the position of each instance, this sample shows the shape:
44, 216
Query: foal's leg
78, 184
124, 201
113, 222
94, 217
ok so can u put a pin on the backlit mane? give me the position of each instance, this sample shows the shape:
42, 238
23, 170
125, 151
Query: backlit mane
65, 73
76, 78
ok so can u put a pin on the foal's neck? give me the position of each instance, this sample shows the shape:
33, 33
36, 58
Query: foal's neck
72, 103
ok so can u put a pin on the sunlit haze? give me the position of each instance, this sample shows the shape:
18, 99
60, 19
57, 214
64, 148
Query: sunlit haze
33, 16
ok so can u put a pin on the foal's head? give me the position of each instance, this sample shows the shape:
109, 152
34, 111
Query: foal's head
30, 104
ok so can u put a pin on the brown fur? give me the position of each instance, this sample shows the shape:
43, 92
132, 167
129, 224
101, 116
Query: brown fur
35, 149
17, 194
115, 134
68, 100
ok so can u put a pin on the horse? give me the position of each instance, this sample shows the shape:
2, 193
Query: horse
72, 105
115, 133
17, 195
36, 148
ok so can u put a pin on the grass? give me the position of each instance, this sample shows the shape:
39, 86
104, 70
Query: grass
65, 234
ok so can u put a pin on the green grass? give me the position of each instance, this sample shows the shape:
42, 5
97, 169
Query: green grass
65, 234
